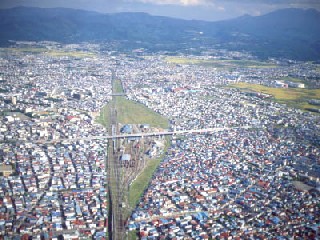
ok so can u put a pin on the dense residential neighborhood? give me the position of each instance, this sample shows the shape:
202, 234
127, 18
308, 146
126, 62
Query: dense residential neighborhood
54, 189
256, 183
259, 182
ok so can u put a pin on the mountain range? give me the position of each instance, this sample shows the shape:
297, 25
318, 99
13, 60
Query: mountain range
286, 33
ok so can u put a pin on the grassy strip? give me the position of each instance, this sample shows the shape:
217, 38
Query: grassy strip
294, 97
132, 235
141, 183
104, 116
117, 87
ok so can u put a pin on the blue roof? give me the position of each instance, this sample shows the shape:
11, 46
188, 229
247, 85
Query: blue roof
275, 220
126, 129
132, 226
100, 234
164, 220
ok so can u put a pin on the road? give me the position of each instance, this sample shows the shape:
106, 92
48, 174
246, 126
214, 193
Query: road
148, 134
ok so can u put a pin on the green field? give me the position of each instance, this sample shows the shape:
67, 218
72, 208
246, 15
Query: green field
220, 63
295, 97
130, 112
117, 87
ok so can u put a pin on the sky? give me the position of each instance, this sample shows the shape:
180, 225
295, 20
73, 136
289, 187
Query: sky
210, 10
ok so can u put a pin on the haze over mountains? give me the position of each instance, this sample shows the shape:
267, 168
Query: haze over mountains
287, 33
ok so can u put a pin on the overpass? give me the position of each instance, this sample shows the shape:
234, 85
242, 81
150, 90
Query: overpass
117, 94
148, 134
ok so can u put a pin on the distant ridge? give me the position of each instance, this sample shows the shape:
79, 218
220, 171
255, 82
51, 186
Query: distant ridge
286, 33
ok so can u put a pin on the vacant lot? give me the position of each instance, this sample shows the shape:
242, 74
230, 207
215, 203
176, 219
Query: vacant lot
301, 186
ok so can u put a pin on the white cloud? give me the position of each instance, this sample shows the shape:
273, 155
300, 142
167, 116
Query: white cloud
221, 8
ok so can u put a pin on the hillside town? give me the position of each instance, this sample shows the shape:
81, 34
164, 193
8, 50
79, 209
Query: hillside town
260, 182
